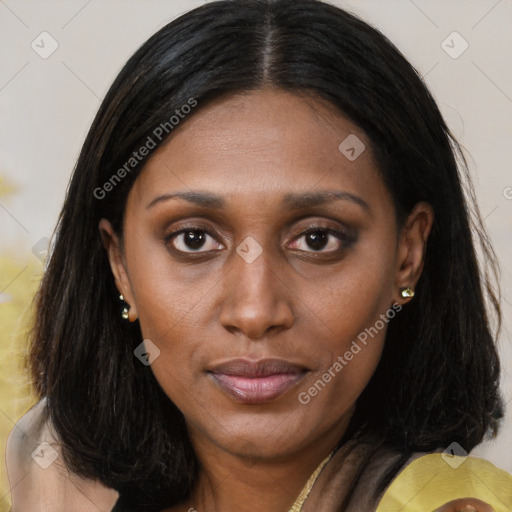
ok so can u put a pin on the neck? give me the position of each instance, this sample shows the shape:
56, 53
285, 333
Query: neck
230, 482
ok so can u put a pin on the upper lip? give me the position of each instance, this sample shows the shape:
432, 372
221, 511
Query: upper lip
261, 368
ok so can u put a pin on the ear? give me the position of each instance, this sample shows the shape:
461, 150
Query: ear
412, 246
117, 261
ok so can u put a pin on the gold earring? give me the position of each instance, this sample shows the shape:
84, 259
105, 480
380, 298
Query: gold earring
125, 313
407, 293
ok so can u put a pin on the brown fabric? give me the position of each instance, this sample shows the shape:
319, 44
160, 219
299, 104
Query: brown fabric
335, 482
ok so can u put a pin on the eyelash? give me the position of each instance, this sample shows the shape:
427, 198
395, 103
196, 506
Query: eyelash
344, 239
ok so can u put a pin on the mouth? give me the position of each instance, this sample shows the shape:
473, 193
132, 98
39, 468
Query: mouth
256, 382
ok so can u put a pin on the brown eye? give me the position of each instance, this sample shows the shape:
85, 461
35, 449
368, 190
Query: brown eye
192, 240
321, 240
317, 240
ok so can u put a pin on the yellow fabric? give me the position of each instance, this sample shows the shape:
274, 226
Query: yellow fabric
430, 481
20, 273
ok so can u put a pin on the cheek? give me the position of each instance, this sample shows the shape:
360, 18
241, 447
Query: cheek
353, 299
352, 312
171, 311
351, 369
177, 331
349, 355
173, 316
170, 296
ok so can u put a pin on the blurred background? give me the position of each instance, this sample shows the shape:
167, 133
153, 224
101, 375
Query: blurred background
58, 59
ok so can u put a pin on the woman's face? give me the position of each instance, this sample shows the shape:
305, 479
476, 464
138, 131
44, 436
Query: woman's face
284, 248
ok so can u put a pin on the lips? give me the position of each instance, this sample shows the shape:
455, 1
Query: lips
256, 382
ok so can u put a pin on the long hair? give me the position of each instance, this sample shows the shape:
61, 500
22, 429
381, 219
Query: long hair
437, 381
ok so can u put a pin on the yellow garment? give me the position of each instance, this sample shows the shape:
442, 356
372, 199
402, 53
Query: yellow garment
433, 480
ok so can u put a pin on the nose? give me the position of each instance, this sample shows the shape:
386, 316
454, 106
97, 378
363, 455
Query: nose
256, 297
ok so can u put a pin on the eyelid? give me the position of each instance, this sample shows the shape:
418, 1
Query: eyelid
326, 224
332, 225
188, 227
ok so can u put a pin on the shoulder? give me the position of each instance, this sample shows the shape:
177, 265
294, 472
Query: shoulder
440, 482
38, 477
426, 481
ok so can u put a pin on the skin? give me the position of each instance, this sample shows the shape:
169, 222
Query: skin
466, 505
294, 301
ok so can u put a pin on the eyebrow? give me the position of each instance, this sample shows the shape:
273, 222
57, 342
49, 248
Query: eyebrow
318, 198
293, 201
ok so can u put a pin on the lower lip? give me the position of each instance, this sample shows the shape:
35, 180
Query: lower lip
257, 390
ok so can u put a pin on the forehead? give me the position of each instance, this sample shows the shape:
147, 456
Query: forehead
262, 144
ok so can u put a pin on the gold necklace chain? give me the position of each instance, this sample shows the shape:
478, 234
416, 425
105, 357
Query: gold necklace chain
297, 506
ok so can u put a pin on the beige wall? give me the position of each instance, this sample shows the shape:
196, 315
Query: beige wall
46, 106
